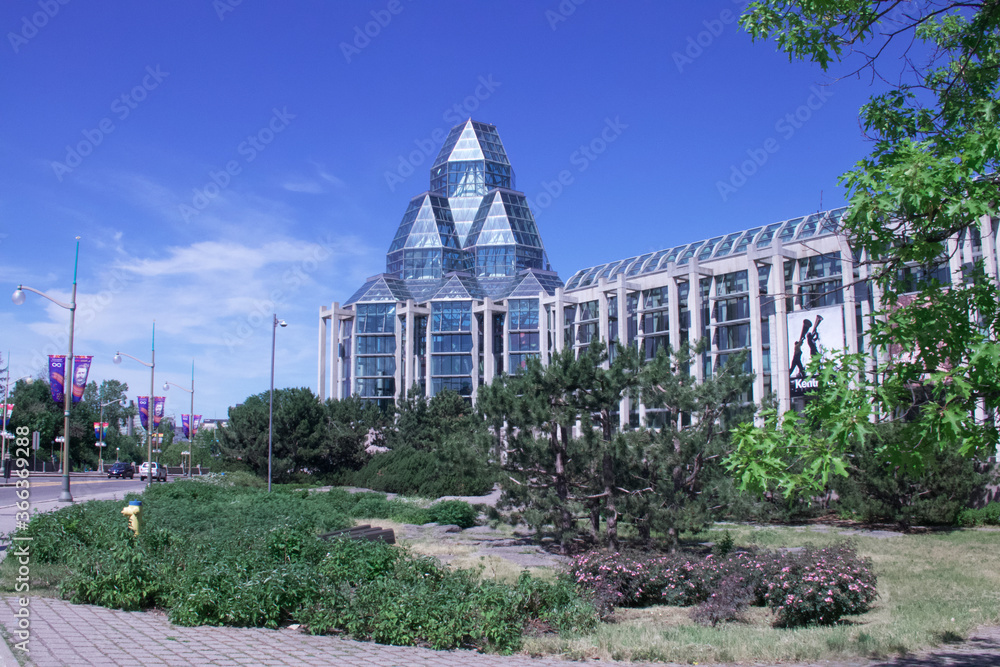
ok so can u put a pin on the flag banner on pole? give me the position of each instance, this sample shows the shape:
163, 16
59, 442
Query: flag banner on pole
186, 423
57, 375
81, 369
99, 431
144, 411
10, 410
158, 407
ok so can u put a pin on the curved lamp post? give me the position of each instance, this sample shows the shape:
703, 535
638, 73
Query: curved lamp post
122, 402
270, 404
151, 406
166, 387
18, 298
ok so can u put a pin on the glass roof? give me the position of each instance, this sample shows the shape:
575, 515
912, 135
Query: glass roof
427, 223
737, 243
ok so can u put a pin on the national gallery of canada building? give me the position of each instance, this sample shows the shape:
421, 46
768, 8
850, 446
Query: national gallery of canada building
468, 293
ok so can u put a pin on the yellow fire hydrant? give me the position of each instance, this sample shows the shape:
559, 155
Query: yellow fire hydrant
134, 514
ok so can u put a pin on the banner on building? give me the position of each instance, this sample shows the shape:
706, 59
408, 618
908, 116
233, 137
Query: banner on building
810, 334
57, 376
81, 369
190, 425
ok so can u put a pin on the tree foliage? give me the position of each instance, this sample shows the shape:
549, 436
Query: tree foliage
307, 438
35, 409
931, 178
653, 478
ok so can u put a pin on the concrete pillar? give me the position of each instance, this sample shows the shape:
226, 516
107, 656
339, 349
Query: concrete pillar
474, 330
409, 365
756, 344
324, 335
779, 334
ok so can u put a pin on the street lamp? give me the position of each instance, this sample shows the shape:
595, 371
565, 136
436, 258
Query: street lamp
101, 444
166, 387
18, 298
6, 392
151, 406
270, 405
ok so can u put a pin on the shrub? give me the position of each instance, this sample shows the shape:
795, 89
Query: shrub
456, 512
983, 516
820, 586
878, 490
235, 555
726, 603
814, 587
425, 473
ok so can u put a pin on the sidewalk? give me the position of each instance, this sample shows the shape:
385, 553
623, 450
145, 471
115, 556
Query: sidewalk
66, 634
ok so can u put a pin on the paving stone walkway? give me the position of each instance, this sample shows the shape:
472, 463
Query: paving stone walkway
64, 634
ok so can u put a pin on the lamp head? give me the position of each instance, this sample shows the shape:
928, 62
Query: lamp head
18, 296
117, 359
166, 386
282, 323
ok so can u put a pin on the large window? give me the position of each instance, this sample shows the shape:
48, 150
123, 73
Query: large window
525, 339
374, 360
451, 316
451, 346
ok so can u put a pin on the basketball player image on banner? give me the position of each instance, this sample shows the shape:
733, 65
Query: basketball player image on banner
812, 332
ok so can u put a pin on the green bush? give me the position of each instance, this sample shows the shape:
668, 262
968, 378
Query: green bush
425, 473
983, 516
455, 512
213, 554
878, 491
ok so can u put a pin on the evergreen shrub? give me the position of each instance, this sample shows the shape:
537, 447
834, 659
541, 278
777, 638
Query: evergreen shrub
424, 473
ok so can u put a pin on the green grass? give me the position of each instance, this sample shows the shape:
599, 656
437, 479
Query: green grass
933, 587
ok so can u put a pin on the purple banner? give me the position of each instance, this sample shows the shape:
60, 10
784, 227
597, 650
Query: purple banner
81, 369
98, 431
10, 410
158, 407
144, 411
185, 422
57, 376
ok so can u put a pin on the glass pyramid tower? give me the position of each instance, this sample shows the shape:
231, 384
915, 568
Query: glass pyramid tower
471, 221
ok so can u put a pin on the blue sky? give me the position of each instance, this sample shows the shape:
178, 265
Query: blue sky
225, 160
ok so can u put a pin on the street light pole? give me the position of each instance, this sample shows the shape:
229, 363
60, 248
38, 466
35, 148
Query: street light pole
68, 374
270, 404
166, 386
151, 406
101, 444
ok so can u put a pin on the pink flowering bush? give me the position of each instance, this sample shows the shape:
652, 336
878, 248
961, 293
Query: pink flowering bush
816, 586
820, 586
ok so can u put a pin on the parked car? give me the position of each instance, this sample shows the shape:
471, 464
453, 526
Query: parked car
121, 469
158, 471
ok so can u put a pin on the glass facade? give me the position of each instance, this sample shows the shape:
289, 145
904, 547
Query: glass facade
451, 347
375, 353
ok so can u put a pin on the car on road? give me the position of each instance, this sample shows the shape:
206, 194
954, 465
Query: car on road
121, 469
158, 471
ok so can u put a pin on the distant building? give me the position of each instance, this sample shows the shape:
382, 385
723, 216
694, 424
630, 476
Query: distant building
468, 293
